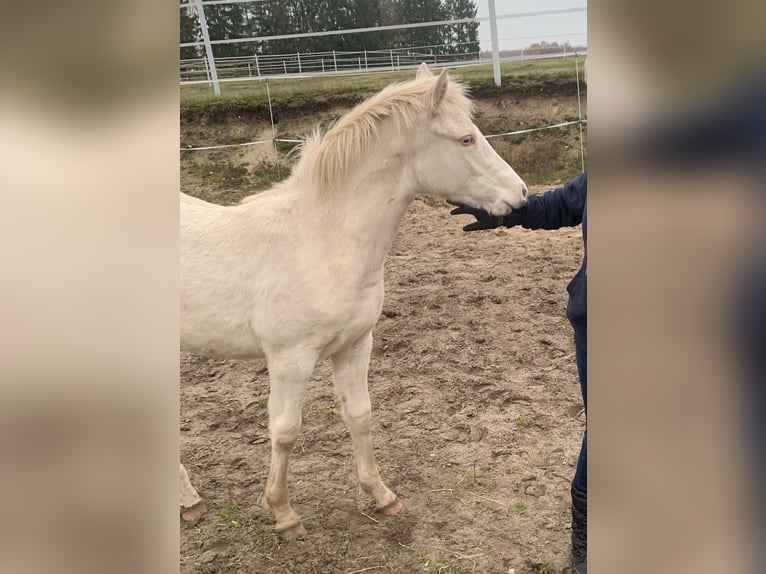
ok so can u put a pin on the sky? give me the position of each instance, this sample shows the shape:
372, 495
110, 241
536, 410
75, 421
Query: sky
514, 33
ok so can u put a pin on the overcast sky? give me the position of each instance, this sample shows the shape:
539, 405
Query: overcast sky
520, 32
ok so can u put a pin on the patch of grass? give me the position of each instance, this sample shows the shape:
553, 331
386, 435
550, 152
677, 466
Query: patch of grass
544, 567
412, 562
522, 422
470, 481
224, 182
253, 92
520, 507
232, 564
263, 403
332, 412
286, 147
543, 157
267, 173
221, 173
240, 139
227, 513
265, 537
539, 157
431, 563
229, 523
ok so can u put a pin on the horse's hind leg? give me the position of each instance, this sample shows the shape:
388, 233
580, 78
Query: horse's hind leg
289, 374
192, 506
349, 369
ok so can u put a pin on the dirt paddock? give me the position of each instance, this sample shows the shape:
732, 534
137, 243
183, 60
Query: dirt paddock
477, 416
475, 422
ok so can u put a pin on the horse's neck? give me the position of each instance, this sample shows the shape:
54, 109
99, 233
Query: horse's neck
369, 209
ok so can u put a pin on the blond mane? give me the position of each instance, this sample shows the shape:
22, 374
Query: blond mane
327, 159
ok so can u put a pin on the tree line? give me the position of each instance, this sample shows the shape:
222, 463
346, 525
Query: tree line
279, 17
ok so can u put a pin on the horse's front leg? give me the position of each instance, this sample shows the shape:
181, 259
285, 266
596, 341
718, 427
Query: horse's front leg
289, 374
349, 368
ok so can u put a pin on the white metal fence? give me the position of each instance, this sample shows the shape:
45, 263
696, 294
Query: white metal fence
196, 70
211, 69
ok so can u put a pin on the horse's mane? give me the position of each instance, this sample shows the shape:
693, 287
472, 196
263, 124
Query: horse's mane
327, 159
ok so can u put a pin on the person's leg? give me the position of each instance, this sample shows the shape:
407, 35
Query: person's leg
580, 480
579, 489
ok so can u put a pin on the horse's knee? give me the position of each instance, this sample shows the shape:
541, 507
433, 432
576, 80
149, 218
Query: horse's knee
283, 436
359, 423
285, 442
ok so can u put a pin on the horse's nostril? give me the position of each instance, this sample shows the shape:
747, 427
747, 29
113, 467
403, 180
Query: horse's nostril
524, 191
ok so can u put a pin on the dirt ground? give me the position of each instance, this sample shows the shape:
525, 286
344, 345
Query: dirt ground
477, 416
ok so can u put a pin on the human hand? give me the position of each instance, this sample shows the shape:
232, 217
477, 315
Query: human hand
483, 219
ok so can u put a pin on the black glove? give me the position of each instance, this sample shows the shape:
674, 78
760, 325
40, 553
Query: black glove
483, 219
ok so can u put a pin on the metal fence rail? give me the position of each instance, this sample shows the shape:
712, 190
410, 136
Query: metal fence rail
195, 70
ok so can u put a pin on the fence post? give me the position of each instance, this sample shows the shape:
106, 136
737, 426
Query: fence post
322, 65
208, 47
392, 59
398, 68
359, 58
284, 66
365, 59
300, 71
493, 35
334, 61
249, 70
257, 68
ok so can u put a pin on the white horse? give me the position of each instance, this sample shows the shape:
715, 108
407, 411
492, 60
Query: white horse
295, 273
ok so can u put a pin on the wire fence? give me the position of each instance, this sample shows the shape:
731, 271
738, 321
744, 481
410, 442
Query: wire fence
580, 121
577, 122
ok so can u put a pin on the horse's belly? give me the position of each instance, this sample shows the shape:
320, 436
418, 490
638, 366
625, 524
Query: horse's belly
222, 339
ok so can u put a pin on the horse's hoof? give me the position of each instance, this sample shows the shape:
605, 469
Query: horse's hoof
193, 513
294, 532
392, 508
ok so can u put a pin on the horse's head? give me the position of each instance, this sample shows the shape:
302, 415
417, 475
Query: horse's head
454, 160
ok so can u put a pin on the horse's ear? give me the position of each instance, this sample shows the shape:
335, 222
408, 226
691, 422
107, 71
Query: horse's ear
439, 89
423, 72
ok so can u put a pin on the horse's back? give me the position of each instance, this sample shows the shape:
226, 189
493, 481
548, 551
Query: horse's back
190, 200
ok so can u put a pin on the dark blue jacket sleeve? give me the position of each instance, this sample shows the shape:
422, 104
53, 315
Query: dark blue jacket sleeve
562, 207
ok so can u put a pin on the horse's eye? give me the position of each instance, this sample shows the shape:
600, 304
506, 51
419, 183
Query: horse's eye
467, 140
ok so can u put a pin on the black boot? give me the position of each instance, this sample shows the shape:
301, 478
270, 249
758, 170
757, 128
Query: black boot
579, 531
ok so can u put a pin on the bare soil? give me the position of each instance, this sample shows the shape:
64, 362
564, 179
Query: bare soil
477, 417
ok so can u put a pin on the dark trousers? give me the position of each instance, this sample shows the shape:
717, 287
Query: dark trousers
580, 480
